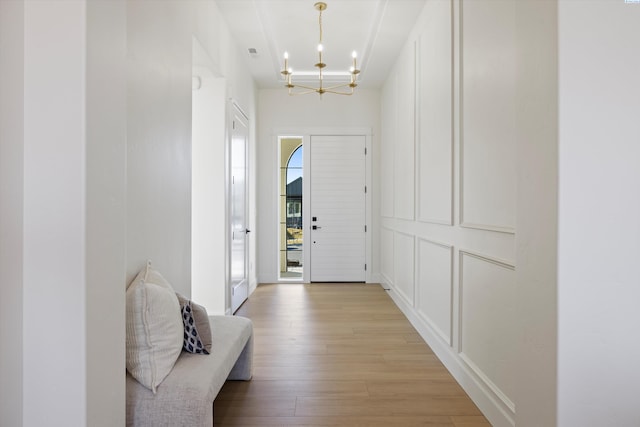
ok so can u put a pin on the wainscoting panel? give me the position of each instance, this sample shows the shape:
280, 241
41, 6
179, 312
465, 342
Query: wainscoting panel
487, 139
404, 146
454, 187
435, 115
386, 255
404, 245
434, 288
488, 322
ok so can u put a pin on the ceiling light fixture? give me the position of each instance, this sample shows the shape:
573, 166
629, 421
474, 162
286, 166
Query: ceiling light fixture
339, 89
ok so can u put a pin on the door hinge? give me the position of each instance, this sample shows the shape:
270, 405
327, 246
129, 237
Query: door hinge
365, 267
365, 228
365, 151
234, 124
365, 188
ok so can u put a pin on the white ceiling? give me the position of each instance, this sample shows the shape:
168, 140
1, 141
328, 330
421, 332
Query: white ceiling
376, 29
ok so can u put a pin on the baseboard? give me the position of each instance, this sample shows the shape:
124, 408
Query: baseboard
253, 284
492, 408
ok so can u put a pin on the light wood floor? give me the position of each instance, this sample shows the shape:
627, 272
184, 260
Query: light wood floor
340, 355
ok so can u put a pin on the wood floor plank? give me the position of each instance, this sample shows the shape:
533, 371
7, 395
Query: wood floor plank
234, 390
356, 346
331, 421
377, 372
299, 349
314, 406
470, 421
414, 388
316, 360
340, 355
262, 406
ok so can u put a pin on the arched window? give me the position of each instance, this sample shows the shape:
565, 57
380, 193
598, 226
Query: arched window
294, 189
294, 213
290, 202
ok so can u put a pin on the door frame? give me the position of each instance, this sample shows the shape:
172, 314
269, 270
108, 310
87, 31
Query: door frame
306, 133
236, 113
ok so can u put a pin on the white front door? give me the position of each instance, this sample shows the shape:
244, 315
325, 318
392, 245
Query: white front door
337, 223
239, 230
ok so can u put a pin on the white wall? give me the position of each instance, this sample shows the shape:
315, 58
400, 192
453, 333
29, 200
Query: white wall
99, 182
65, 279
536, 222
279, 112
211, 116
105, 214
449, 193
54, 289
71, 206
159, 176
11, 210
209, 222
599, 207
159, 53
62, 223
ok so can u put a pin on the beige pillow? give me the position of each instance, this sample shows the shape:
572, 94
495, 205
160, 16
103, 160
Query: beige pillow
154, 328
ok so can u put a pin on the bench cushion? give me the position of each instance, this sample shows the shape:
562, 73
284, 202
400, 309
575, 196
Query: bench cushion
185, 397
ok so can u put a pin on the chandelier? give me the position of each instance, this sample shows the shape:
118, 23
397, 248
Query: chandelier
339, 89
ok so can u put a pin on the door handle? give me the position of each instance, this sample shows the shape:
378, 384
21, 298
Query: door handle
246, 230
315, 227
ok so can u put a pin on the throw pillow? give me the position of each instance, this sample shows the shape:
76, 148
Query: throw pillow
154, 328
192, 341
197, 330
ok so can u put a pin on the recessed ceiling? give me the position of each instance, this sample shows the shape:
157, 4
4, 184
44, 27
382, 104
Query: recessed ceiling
376, 29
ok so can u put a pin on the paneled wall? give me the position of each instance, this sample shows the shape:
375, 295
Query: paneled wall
448, 193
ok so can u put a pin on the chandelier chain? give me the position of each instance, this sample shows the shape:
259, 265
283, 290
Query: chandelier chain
320, 24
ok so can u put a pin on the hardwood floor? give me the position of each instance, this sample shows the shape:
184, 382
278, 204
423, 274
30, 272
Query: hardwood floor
340, 355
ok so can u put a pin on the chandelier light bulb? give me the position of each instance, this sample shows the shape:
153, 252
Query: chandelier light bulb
320, 47
354, 67
286, 64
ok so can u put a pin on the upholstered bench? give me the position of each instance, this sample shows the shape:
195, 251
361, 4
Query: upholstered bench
185, 397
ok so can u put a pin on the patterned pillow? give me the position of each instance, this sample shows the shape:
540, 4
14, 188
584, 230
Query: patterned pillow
197, 330
192, 341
